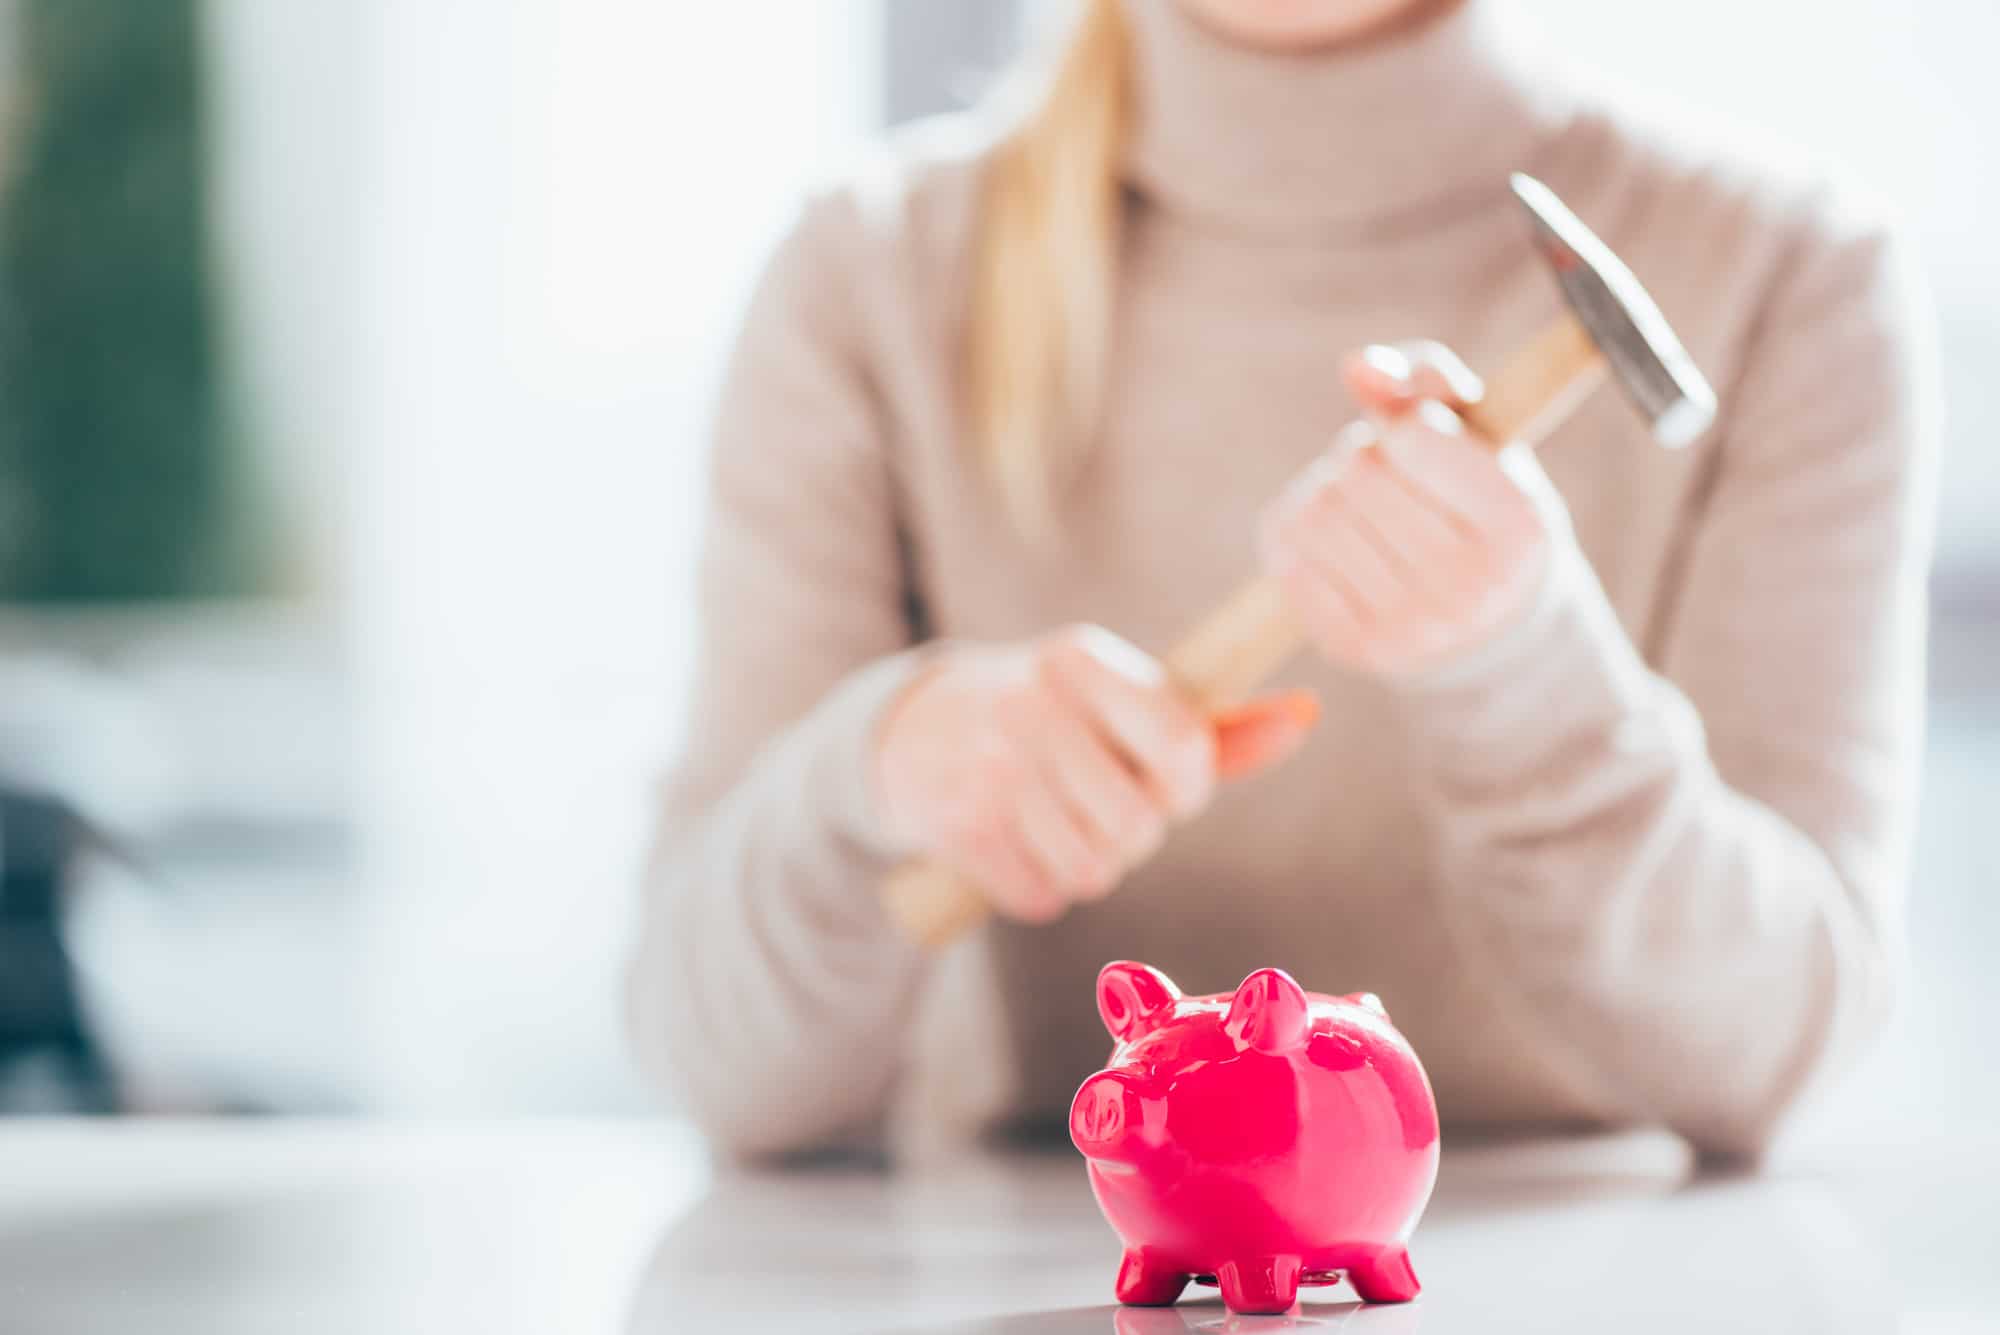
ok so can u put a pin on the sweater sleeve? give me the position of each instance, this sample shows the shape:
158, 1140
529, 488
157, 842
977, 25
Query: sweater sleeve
768, 989
1686, 880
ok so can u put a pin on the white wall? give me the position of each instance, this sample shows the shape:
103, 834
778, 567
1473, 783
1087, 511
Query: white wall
571, 197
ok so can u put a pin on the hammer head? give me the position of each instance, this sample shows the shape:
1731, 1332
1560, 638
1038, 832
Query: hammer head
1656, 371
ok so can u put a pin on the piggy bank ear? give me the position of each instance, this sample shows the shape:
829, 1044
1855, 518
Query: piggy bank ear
1368, 1001
1134, 998
1268, 1012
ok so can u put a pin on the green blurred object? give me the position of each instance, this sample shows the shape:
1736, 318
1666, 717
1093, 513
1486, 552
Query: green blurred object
114, 470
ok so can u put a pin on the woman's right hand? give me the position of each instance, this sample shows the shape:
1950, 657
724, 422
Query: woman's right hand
1045, 770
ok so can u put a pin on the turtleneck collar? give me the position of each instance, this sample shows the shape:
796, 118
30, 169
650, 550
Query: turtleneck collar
1339, 141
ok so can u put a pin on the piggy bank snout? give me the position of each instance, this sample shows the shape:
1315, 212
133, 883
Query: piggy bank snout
1106, 1115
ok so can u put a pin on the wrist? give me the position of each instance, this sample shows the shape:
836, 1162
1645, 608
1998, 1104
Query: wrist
833, 750
1565, 671
891, 824
890, 827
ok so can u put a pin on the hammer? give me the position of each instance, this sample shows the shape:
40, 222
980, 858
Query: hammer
1610, 323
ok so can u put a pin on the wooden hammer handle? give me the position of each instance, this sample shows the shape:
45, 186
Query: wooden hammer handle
1251, 635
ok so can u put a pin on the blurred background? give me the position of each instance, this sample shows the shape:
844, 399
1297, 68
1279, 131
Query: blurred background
354, 365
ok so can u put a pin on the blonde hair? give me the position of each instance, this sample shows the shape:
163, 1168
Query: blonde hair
1043, 270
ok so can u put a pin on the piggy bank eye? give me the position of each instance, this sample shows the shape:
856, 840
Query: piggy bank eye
1134, 999
1335, 1051
1268, 1012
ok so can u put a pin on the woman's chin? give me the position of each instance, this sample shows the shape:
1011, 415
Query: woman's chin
1306, 25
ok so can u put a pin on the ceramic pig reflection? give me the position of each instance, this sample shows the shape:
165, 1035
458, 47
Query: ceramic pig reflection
1257, 1141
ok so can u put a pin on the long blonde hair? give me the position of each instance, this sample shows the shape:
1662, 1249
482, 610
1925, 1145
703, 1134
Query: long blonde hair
1044, 268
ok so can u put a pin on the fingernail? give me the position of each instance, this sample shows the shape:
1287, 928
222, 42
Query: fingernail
1439, 418
1125, 658
1388, 361
1300, 708
1297, 714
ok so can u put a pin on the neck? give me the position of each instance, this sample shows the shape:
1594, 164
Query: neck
1438, 108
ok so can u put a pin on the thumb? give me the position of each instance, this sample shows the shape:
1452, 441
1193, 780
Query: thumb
1261, 732
1389, 380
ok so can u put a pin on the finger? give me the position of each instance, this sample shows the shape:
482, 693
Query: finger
1305, 499
1440, 373
1389, 379
1394, 502
1135, 708
1262, 732
1379, 378
1430, 543
1342, 545
1012, 881
1311, 484
1055, 840
1122, 820
1325, 607
1430, 449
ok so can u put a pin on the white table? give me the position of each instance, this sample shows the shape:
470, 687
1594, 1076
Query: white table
217, 1228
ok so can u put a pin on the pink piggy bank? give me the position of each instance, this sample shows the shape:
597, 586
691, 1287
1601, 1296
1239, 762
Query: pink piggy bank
1258, 1141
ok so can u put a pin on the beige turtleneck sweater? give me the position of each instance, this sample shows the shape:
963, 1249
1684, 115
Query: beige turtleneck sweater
1641, 861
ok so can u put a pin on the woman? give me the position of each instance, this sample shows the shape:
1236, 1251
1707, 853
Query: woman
1611, 791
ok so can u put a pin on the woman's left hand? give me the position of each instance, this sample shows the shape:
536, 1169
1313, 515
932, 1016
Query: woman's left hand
1411, 542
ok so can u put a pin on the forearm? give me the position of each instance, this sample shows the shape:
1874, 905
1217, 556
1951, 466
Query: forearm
768, 989
1689, 953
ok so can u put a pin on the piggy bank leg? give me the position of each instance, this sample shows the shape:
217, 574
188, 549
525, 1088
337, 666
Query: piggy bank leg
1146, 1283
1260, 1284
1386, 1279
